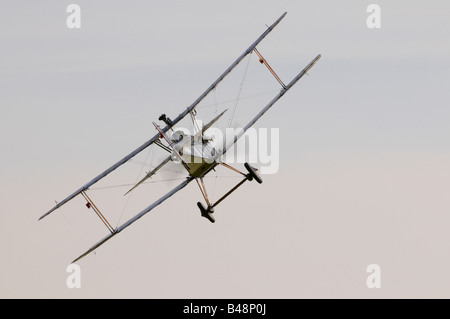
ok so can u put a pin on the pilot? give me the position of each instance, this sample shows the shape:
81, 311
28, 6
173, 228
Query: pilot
177, 136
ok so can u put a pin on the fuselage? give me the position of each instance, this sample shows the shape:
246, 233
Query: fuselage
200, 154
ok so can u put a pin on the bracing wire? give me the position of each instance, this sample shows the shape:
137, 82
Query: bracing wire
217, 103
75, 230
132, 184
137, 178
154, 182
240, 88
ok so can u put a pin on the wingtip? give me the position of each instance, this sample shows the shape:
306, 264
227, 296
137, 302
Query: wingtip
128, 192
93, 248
75, 260
78, 258
45, 214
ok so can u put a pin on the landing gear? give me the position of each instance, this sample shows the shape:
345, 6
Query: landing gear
253, 174
206, 212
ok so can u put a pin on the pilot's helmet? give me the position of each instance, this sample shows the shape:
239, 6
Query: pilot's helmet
177, 136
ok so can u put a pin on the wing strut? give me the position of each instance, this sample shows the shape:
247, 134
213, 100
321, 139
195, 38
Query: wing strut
264, 61
268, 106
136, 217
90, 204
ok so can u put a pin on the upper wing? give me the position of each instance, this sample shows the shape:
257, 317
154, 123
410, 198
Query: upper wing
268, 106
106, 172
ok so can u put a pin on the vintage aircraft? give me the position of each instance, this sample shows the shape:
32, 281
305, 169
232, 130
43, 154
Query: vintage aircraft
197, 153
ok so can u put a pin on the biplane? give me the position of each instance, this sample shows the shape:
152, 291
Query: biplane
196, 153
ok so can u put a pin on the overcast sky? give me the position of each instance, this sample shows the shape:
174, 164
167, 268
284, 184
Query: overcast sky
364, 170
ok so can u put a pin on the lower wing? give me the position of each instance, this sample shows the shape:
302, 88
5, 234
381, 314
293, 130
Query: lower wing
268, 106
136, 217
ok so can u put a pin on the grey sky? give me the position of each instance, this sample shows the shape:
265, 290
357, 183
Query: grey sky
364, 174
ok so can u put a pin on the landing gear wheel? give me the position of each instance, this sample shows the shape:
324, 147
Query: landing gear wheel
206, 212
253, 173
